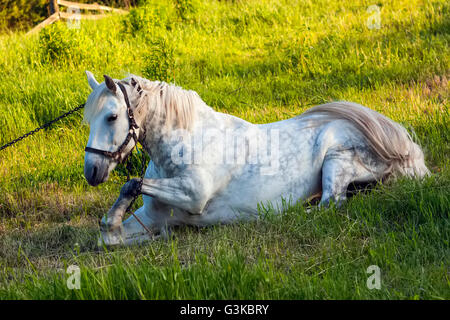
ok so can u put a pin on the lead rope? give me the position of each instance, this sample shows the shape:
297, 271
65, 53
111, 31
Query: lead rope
44, 126
141, 181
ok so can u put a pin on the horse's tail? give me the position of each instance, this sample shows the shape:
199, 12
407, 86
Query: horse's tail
389, 140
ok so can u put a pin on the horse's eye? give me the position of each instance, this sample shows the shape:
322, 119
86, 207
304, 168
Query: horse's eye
112, 117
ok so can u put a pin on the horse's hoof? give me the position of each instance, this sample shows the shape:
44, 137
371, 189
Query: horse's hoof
107, 225
110, 235
110, 239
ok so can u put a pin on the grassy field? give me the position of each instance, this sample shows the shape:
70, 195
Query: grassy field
259, 60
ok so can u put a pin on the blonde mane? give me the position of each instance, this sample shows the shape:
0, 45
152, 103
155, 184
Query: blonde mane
174, 106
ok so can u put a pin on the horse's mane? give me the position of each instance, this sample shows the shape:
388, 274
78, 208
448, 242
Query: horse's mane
171, 104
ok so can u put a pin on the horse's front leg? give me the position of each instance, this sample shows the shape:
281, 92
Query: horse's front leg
189, 192
112, 221
136, 229
131, 231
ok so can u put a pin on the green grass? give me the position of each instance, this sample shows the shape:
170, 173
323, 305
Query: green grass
259, 60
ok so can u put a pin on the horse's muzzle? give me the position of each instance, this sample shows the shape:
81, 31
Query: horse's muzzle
96, 170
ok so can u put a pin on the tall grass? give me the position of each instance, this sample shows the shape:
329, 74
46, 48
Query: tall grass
260, 60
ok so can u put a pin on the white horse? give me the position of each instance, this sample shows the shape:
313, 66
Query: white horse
209, 168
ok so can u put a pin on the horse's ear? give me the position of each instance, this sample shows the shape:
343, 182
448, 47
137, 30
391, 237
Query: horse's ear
110, 84
136, 85
91, 80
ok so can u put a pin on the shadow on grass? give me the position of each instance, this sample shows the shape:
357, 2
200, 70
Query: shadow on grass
49, 244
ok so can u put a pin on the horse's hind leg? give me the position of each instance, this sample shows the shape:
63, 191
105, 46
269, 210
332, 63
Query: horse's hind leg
342, 167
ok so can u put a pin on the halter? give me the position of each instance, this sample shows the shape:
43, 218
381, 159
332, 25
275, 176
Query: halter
117, 155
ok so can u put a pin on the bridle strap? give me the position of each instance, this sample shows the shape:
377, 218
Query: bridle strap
117, 155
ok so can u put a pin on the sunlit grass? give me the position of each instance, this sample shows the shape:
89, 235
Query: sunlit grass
263, 61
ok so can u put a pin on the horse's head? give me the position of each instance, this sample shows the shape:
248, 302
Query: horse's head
107, 115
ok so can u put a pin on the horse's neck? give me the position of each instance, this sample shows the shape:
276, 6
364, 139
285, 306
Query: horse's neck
159, 139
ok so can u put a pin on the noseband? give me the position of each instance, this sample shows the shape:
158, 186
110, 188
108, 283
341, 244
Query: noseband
117, 155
